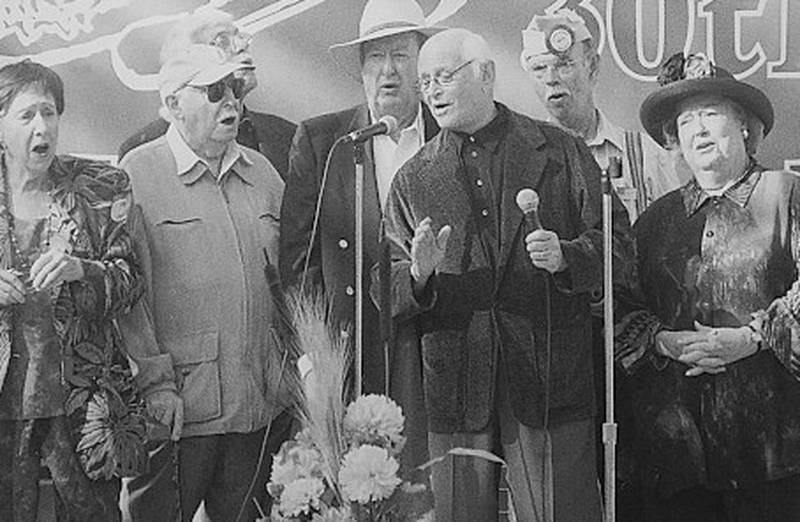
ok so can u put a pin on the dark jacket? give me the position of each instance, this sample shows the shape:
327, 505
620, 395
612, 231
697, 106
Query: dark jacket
66, 356
268, 134
721, 261
332, 260
483, 312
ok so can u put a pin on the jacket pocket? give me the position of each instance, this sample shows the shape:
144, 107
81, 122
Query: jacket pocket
196, 360
181, 249
269, 225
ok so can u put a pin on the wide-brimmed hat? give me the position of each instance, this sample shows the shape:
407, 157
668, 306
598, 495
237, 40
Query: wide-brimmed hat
196, 65
682, 77
379, 19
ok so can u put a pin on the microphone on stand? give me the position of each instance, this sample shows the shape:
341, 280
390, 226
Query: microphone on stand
385, 125
528, 203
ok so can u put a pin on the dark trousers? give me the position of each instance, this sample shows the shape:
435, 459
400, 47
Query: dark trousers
551, 472
24, 445
628, 487
222, 471
775, 501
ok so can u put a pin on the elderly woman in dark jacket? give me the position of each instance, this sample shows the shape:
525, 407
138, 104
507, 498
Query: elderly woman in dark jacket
66, 271
712, 348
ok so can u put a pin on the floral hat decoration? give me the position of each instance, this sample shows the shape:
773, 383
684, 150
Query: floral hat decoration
554, 33
684, 76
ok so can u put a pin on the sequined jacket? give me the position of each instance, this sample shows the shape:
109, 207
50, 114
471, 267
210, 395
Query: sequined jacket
74, 363
722, 261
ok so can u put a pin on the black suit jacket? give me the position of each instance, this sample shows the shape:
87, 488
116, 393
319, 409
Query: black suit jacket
332, 260
489, 305
269, 134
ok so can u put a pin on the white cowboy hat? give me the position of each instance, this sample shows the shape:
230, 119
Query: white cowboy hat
381, 18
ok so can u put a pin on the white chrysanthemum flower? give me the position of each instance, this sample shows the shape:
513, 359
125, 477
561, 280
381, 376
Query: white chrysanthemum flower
375, 419
301, 496
295, 461
368, 473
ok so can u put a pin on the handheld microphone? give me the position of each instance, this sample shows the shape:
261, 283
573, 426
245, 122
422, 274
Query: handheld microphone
528, 203
386, 125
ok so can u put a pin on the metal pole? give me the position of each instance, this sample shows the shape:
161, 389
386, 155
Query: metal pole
358, 155
609, 427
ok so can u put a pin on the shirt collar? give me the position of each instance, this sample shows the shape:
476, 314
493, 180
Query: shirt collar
606, 131
190, 167
694, 196
490, 135
417, 125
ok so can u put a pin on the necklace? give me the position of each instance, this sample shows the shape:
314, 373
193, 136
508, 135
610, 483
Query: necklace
16, 261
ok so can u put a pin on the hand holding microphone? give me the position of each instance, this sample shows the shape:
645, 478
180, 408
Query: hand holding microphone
543, 246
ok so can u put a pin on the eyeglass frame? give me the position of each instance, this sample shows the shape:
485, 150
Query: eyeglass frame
443, 77
229, 81
560, 66
237, 42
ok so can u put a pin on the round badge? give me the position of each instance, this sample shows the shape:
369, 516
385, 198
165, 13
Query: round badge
120, 208
560, 39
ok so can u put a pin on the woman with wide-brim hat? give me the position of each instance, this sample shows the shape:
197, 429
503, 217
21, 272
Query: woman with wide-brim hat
708, 346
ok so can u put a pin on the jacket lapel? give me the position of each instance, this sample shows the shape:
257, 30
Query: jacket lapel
525, 163
342, 172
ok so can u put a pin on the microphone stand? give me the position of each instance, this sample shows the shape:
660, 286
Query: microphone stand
358, 158
609, 427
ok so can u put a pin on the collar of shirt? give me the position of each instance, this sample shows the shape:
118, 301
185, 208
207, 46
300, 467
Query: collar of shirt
417, 126
389, 155
191, 167
490, 135
607, 132
738, 190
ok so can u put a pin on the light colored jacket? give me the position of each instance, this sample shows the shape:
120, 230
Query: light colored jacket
208, 299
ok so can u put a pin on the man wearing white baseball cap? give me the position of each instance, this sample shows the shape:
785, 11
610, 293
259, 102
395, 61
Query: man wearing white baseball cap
204, 336
384, 58
560, 54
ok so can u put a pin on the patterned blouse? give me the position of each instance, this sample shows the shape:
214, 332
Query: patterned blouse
60, 352
726, 261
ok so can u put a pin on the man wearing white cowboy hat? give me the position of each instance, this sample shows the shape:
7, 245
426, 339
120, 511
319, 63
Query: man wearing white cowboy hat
384, 56
204, 335
560, 55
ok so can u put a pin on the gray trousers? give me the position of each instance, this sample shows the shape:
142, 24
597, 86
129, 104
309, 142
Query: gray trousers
551, 474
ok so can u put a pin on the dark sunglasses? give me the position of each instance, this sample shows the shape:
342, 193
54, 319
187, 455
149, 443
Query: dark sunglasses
216, 90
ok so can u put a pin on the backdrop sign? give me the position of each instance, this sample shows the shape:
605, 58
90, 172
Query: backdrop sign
107, 50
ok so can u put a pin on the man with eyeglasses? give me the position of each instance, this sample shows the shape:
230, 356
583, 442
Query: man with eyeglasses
384, 58
269, 134
560, 55
204, 337
503, 310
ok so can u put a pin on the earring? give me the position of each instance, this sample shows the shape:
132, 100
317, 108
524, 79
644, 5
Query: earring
745, 133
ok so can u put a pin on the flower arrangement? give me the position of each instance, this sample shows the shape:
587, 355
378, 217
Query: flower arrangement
679, 67
343, 465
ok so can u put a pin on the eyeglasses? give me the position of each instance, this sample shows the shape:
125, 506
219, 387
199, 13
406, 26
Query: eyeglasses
216, 90
443, 78
232, 43
562, 67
